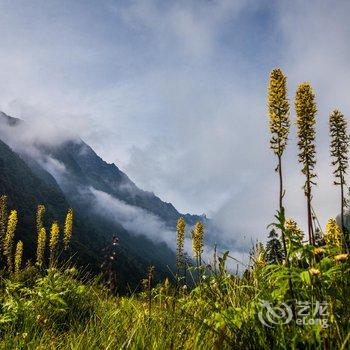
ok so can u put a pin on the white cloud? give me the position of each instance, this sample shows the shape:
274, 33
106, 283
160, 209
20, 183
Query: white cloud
134, 219
141, 222
175, 93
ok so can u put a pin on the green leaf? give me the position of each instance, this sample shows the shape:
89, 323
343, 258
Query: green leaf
305, 277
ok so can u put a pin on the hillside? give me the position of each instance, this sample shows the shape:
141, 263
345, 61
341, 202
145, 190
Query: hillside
25, 191
30, 180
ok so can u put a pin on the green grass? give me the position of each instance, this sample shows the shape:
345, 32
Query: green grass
54, 309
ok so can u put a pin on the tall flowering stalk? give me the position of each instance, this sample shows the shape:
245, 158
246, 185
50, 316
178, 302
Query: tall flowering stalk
258, 255
18, 257
68, 227
197, 242
40, 250
39, 217
55, 230
3, 221
306, 110
180, 229
294, 234
333, 234
278, 107
339, 149
3, 217
8, 241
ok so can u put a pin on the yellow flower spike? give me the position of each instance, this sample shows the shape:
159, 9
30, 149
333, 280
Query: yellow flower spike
55, 230
18, 257
3, 217
295, 233
39, 217
333, 233
279, 122
40, 251
198, 235
339, 149
68, 227
10, 233
180, 228
305, 107
278, 108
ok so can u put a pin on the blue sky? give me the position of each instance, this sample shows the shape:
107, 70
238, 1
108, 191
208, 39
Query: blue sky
174, 92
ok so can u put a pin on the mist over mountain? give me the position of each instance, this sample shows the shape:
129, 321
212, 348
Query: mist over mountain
63, 171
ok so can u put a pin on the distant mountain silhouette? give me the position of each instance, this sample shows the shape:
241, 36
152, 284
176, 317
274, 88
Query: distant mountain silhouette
70, 174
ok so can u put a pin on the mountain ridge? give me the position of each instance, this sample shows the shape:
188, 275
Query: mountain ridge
73, 170
84, 165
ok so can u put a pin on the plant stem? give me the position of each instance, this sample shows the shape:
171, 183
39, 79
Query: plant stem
309, 212
281, 201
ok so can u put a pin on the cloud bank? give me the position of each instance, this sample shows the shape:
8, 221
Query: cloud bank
175, 93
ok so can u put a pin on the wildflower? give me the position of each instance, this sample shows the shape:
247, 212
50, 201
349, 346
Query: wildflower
55, 230
305, 107
318, 251
333, 233
341, 257
8, 241
166, 283
294, 233
257, 255
18, 256
180, 228
339, 151
68, 227
39, 217
3, 217
314, 272
278, 106
24, 335
197, 241
40, 250
260, 263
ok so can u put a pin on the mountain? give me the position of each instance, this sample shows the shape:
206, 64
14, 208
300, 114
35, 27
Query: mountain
105, 201
84, 168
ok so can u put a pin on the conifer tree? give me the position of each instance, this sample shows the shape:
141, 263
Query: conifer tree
274, 252
339, 148
180, 228
306, 110
278, 107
